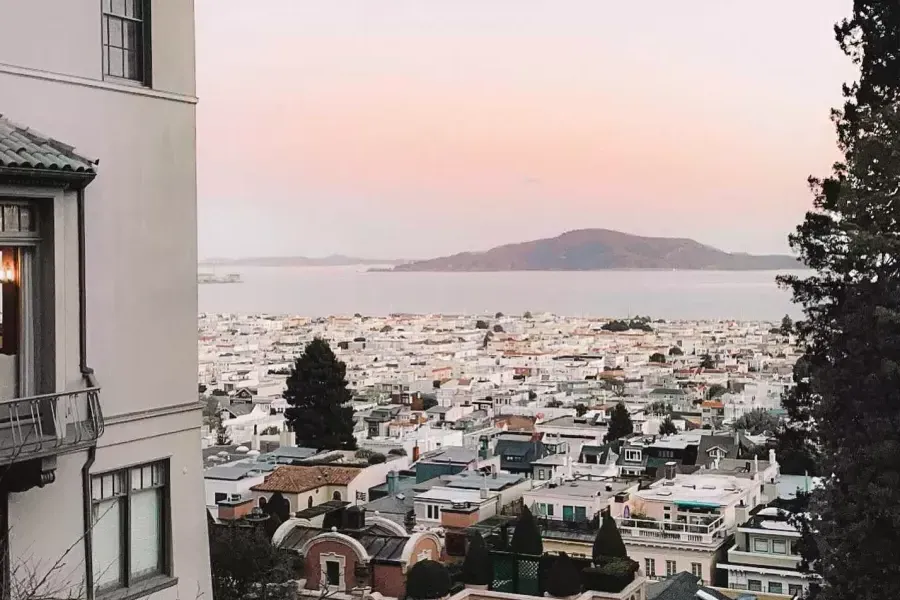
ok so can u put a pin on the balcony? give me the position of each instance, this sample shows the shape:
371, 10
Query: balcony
37, 427
738, 557
649, 531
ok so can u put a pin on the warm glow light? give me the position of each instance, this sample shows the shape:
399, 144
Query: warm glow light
7, 274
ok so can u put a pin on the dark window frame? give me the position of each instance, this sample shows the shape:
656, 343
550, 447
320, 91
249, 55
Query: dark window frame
128, 580
109, 11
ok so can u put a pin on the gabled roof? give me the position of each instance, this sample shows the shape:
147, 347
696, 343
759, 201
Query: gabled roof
296, 479
25, 151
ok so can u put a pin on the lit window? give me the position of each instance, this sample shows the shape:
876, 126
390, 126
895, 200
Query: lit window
129, 525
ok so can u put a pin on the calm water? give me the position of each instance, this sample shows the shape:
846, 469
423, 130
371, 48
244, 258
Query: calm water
322, 291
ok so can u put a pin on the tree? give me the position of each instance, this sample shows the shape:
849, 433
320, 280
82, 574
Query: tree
278, 505
658, 357
429, 402
498, 328
667, 427
619, 423
477, 568
241, 557
564, 579
608, 543
526, 538
757, 422
706, 362
317, 393
676, 351
481, 324
787, 325
527, 315
222, 437
847, 405
377, 458
715, 390
499, 315
580, 409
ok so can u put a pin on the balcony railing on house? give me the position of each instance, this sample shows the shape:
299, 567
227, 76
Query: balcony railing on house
711, 533
49, 424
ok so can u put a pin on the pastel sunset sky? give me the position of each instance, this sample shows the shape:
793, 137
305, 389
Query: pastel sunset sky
417, 128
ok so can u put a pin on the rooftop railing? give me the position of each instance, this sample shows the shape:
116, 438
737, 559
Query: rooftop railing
49, 424
711, 533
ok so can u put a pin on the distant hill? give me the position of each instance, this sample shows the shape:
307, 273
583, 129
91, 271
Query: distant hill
598, 249
334, 260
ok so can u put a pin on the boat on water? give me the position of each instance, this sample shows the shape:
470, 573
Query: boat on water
213, 278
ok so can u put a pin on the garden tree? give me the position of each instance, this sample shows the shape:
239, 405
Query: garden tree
319, 413
241, 557
498, 328
787, 325
714, 391
222, 437
499, 315
580, 409
278, 505
658, 357
527, 315
757, 422
707, 362
526, 538
564, 579
676, 351
477, 568
481, 324
428, 580
608, 543
429, 402
619, 423
848, 403
667, 427
377, 459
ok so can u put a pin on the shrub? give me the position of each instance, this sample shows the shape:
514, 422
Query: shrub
477, 568
563, 579
377, 459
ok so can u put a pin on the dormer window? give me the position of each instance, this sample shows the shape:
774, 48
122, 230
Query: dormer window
632, 455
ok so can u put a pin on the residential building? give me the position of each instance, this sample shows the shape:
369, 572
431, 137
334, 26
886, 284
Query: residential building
99, 276
575, 501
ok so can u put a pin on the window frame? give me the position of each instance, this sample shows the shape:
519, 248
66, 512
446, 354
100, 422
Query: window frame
650, 567
145, 52
697, 570
775, 585
671, 568
128, 580
795, 589
754, 585
761, 542
630, 454
783, 544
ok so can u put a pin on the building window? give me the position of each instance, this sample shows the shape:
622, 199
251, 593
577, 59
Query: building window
775, 587
541, 474
697, 571
126, 27
433, 512
650, 567
754, 585
130, 525
221, 497
795, 590
633, 455
760, 545
331, 572
549, 510
670, 568
779, 547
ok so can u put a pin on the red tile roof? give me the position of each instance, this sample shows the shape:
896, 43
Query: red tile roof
295, 480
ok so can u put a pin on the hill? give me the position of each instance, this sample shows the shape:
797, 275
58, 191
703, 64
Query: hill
334, 260
598, 249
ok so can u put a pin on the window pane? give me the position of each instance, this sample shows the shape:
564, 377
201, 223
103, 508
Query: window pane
146, 533
132, 65
136, 9
105, 5
105, 37
26, 223
116, 69
11, 218
115, 33
131, 33
107, 538
118, 7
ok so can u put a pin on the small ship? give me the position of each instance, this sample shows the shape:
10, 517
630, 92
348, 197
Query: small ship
213, 278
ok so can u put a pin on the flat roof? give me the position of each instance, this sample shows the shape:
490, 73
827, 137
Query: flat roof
448, 494
582, 489
697, 490
475, 481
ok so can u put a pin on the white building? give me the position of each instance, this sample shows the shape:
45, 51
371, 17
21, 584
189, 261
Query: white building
100, 270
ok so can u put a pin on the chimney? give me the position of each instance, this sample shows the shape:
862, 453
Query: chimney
670, 470
254, 441
756, 464
393, 483
494, 471
772, 459
415, 453
483, 493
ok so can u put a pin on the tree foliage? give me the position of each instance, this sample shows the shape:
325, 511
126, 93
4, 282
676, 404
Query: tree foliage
317, 393
608, 543
526, 538
580, 410
620, 423
658, 357
667, 427
241, 557
676, 351
757, 422
481, 324
477, 568
847, 401
564, 579
707, 362
787, 325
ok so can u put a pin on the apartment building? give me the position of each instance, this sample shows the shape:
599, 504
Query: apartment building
102, 471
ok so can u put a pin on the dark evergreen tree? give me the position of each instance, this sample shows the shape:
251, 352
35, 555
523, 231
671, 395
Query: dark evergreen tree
676, 351
564, 579
658, 357
667, 427
320, 414
707, 362
481, 324
526, 538
608, 544
241, 557
278, 505
757, 422
477, 568
619, 423
427, 580
787, 325
848, 403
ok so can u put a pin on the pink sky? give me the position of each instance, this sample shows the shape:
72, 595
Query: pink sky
418, 128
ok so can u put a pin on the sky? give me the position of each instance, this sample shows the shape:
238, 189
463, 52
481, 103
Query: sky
419, 128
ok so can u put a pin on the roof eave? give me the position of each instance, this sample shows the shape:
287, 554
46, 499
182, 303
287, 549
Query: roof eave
73, 180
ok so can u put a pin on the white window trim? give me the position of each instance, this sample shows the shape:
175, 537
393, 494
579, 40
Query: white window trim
633, 455
324, 559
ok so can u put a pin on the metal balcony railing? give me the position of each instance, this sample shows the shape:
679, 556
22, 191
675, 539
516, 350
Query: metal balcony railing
49, 424
706, 534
